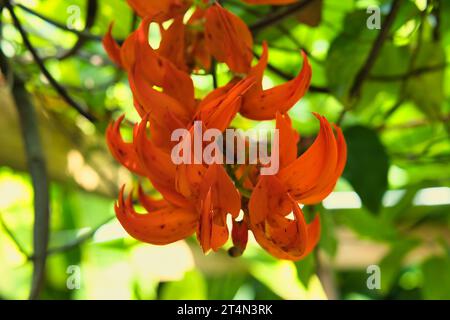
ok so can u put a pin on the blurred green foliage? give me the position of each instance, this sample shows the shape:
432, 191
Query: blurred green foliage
397, 132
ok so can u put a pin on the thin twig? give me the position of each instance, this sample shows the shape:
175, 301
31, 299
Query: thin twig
363, 73
283, 30
411, 124
76, 242
214, 73
277, 16
13, 237
411, 74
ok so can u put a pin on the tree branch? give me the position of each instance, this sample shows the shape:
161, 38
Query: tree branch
411, 74
376, 49
76, 242
61, 26
277, 16
38, 172
13, 237
60, 89
91, 14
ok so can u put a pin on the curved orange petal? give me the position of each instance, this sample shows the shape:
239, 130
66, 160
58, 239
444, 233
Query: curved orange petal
112, 47
172, 44
158, 166
162, 226
148, 202
228, 39
220, 109
321, 193
188, 180
215, 94
315, 169
226, 198
165, 113
196, 51
288, 239
268, 197
248, 175
259, 104
122, 151
218, 197
212, 231
288, 139
161, 10
161, 72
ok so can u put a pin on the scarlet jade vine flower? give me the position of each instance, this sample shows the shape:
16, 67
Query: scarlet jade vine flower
198, 198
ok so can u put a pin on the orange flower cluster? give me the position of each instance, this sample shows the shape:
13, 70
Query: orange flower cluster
197, 198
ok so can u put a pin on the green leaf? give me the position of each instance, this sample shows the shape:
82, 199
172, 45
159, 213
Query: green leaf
391, 264
402, 208
427, 89
328, 240
367, 165
367, 225
349, 51
192, 286
436, 278
225, 286
306, 269
340, 71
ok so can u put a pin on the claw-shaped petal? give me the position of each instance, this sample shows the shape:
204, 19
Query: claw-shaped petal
285, 238
259, 104
158, 166
218, 197
149, 203
112, 47
221, 106
161, 226
172, 44
268, 197
123, 152
159, 71
288, 139
228, 39
312, 176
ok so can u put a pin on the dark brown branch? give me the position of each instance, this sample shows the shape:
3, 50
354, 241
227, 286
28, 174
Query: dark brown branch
91, 14
38, 172
278, 16
376, 49
412, 124
84, 34
436, 12
411, 64
60, 89
414, 73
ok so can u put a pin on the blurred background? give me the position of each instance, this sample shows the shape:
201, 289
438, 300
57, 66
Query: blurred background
379, 70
